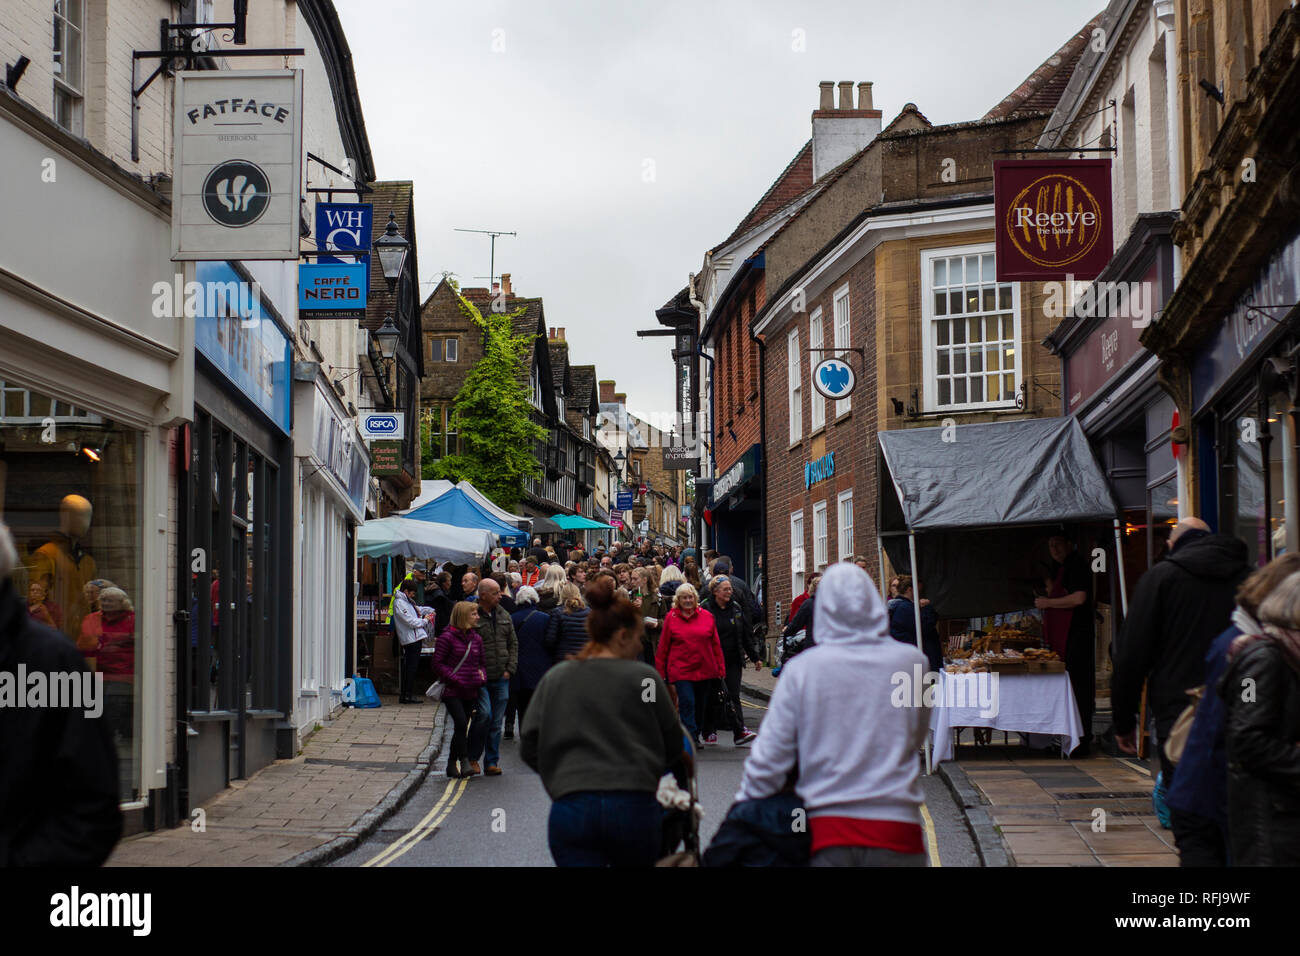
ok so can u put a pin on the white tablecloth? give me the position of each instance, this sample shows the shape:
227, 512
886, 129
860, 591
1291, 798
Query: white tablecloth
1024, 703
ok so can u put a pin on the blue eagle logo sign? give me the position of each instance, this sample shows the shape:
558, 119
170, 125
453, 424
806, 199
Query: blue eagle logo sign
834, 378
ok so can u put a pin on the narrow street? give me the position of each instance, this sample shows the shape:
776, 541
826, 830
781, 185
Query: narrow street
501, 821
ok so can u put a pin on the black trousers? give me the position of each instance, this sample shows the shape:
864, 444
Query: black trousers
410, 665
1081, 665
1200, 842
459, 711
735, 670
516, 706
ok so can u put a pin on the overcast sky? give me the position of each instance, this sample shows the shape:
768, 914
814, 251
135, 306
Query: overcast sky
548, 119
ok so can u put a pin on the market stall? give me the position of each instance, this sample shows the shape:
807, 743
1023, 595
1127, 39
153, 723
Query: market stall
459, 508
966, 508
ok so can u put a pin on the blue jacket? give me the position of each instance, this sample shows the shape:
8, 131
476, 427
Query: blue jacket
759, 833
530, 627
902, 627
1201, 778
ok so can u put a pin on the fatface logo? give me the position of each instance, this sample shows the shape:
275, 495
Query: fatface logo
834, 379
236, 193
1054, 221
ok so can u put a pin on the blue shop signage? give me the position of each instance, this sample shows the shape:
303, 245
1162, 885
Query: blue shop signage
819, 470
332, 291
345, 226
234, 331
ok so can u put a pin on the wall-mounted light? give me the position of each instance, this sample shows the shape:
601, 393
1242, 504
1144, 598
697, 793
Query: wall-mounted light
94, 454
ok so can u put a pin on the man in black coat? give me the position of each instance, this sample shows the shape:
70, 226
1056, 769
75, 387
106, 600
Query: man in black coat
1178, 608
58, 767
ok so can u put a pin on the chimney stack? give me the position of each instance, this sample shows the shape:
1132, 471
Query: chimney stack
828, 95
840, 134
606, 391
496, 288
550, 334
864, 103
505, 283
846, 94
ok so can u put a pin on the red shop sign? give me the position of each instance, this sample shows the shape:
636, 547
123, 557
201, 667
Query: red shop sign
1052, 218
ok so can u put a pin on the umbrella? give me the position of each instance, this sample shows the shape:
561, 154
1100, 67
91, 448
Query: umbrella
423, 539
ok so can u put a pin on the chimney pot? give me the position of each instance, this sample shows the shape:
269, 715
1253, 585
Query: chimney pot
846, 94
550, 333
828, 95
864, 96
505, 283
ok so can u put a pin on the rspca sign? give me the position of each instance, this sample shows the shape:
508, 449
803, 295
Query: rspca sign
834, 378
382, 425
237, 164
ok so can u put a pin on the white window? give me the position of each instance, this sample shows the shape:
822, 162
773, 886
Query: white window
815, 357
970, 327
69, 64
453, 350
535, 381
844, 522
796, 385
820, 542
843, 340
796, 554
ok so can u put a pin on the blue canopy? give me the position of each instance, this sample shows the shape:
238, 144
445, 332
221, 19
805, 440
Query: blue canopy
460, 510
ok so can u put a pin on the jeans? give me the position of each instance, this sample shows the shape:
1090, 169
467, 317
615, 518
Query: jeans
492, 699
692, 703
605, 828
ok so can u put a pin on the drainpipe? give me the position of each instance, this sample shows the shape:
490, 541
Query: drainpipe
700, 353
762, 464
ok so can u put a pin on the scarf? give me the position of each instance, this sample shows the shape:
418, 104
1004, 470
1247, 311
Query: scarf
1286, 640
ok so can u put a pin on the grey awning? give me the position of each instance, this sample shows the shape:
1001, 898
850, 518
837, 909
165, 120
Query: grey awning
991, 475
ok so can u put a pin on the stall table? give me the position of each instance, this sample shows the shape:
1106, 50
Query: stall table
1024, 703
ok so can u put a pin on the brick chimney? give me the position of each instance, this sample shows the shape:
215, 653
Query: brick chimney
505, 284
558, 334
840, 133
606, 390
550, 334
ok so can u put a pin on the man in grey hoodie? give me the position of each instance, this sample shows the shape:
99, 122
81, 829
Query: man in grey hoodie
856, 752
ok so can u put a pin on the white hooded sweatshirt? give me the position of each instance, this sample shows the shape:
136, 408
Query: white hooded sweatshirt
831, 713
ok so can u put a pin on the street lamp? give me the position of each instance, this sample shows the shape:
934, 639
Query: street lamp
621, 460
391, 248
388, 336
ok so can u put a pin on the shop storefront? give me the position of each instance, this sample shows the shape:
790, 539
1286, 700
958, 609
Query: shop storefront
735, 513
236, 544
333, 479
1245, 418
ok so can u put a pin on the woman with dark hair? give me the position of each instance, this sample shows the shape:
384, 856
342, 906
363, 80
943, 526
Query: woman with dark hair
691, 571
534, 660
601, 731
902, 624
1261, 689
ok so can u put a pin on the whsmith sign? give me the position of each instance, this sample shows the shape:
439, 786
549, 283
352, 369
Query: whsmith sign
237, 164
1052, 217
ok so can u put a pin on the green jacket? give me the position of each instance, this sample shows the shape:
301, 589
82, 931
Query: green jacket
500, 645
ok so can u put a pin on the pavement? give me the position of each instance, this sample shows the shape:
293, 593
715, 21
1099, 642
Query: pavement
351, 775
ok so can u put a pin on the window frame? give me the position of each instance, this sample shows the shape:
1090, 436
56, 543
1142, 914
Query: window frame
930, 390
798, 579
451, 344
816, 342
74, 94
821, 538
842, 526
842, 405
794, 385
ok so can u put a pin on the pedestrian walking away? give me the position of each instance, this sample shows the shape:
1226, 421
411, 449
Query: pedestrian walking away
831, 717
458, 663
737, 644
601, 731
500, 661
534, 660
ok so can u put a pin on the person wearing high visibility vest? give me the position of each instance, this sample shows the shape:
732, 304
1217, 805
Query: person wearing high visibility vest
414, 576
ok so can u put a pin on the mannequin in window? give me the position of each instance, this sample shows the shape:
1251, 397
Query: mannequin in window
64, 566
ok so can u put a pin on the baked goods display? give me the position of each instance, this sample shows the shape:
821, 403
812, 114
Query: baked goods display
1003, 648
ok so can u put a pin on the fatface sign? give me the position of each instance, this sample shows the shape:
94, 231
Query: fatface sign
237, 165
1053, 217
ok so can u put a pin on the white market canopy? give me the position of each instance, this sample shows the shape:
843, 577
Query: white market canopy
427, 540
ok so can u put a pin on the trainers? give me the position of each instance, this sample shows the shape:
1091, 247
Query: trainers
711, 740
1159, 804
748, 737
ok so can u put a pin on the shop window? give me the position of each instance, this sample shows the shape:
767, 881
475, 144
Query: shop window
843, 336
69, 487
844, 522
815, 356
970, 331
795, 374
797, 580
69, 64
1254, 484
820, 539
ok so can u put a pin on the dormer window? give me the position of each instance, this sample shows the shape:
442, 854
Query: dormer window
536, 382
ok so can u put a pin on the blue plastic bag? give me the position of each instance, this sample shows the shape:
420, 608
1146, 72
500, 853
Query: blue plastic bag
364, 694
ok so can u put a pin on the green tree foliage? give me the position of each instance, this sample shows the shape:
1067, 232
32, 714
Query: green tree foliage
492, 415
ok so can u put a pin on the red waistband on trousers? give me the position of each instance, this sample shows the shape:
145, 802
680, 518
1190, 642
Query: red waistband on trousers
852, 831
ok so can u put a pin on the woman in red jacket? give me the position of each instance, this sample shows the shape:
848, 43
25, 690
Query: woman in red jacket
690, 659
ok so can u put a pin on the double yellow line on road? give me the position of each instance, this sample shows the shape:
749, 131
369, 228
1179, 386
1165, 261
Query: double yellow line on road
444, 806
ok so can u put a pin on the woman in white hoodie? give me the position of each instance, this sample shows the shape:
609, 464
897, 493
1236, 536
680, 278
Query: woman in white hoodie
831, 716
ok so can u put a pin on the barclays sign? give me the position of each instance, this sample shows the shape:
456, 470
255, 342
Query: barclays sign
382, 425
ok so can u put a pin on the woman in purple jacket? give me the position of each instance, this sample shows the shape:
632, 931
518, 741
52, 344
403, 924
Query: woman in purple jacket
458, 663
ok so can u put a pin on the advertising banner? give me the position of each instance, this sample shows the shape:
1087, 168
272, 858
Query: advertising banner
387, 459
1053, 218
237, 164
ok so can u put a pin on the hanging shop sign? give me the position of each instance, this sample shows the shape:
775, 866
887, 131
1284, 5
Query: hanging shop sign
332, 291
345, 227
679, 458
819, 470
237, 164
834, 378
1053, 218
624, 501
382, 425
335, 446
234, 331
1114, 341
386, 459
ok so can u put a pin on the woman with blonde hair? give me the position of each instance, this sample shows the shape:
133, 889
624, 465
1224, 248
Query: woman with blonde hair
566, 632
548, 589
690, 659
458, 663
